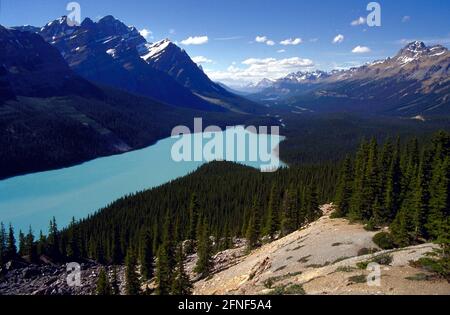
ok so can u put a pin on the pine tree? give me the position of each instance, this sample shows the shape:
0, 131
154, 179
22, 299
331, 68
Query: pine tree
132, 282
313, 207
73, 244
53, 241
11, 249
253, 227
357, 201
344, 190
437, 221
41, 244
22, 244
166, 260
103, 285
3, 247
181, 283
421, 197
392, 193
370, 190
273, 216
204, 262
115, 289
290, 213
146, 255
31, 248
116, 255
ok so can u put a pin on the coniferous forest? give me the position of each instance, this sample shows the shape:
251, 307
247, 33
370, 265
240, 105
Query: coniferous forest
400, 184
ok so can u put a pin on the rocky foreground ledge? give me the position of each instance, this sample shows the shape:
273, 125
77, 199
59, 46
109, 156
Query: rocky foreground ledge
19, 278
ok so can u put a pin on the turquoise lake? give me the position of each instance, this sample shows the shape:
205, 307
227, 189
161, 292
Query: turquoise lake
84, 189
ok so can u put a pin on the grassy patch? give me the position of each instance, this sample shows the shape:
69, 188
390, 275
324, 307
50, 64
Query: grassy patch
298, 247
281, 268
358, 279
345, 269
436, 264
304, 260
272, 280
293, 289
419, 277
367, 251
318, 265
384, 259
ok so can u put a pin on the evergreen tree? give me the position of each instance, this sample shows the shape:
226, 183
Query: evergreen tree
116, 248
181, 283
253, 227
370, 189
11, 249
357, 201
3, 246
273, 216
166, 260
103, 285
146, 255
22, 244
392, 193
204, 262
438, 219
421, 198
41, 244
31, 248
132, 282
313, 207
53, 241
73, 243
115, 289
344, 190
290, 213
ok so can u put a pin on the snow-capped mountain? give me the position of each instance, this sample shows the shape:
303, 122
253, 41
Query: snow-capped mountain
109, 52
415, 81
305, 76
167, 57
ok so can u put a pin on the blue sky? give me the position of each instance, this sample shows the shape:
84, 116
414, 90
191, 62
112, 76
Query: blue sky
231, 52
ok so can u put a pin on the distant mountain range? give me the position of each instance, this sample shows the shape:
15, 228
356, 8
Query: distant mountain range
414, 82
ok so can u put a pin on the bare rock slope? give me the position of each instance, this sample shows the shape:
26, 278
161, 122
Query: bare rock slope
323, 258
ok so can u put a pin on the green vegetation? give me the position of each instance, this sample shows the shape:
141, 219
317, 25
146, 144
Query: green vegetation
384, 259
384, 240
291, 289
358, 279
404, 187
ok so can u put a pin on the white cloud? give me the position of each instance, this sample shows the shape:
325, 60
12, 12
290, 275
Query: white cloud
358, 21
228, 38
201, 60
261, 39
281, 51
338, 39
195, 40
147, 34
270, 43
256, 69
406, 19
361, 50
291, 41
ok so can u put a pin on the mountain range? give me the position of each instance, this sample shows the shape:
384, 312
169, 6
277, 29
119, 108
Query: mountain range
414, 82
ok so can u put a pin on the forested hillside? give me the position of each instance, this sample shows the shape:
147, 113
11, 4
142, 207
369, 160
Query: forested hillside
403, 185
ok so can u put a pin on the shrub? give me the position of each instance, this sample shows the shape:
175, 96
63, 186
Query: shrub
358, 279
384, 240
